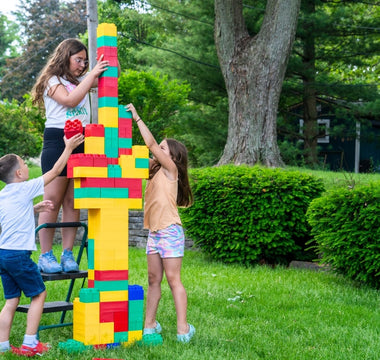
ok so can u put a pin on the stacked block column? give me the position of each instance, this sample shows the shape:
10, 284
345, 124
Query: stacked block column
108, 182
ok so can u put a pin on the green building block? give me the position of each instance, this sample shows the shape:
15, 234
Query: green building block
108, 102
83, 193
112, 71
114, 193
142, 163
121, 336
89, 295
135, 314
90, 260
73, 346
124, 114
113, 171
125, 143
111, 142
152, 339
106, 41
136, 307
111, 151
116, 285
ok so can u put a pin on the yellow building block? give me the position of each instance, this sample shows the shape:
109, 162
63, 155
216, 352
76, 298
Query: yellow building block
140, 151
93, 203
128, 203
107, 296
126, 162
102, 263
106, 29
133, 336
91, 274
87, 336
86, 322
106, 333
77, 183
87, 171
108, 116
133, 173
94, 145
88, 312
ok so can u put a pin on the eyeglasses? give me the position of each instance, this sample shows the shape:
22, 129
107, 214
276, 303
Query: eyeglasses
81, 61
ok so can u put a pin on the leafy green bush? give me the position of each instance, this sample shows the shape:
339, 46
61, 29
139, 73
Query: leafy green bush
21, 128
346, 227
156, 98
250, 214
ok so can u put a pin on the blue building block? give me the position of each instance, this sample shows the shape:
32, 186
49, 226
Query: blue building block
135, 292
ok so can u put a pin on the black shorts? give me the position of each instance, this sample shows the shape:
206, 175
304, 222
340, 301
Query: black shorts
53, 148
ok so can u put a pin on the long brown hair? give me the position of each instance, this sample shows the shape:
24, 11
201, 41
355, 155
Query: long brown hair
178, 153
58, 65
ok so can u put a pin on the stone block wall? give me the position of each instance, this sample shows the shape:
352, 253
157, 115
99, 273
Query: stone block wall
137, 234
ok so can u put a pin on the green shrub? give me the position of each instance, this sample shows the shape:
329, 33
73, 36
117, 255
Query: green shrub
346, 228
250, 214
21, 128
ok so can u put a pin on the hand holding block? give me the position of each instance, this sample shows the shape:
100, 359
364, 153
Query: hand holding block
73, 127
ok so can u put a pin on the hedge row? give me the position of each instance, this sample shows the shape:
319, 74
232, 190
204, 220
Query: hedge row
346, 227
251, 214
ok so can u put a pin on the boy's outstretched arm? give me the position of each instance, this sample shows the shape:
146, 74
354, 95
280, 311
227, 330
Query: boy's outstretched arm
45, 205
71, 144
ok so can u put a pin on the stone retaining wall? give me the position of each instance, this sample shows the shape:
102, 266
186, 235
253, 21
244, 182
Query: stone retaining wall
137, 233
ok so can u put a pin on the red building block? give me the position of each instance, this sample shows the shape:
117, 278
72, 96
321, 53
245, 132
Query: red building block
109, 275
125, 128
106, 51
94, 130
107, 82
125, 152
133, 185
107, 309
97, 182
120, 320
108, 91
100, 160
72, 127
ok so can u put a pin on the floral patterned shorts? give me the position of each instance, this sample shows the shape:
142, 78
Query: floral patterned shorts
168, 242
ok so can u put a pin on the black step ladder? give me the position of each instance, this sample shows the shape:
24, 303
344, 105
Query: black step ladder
67, 305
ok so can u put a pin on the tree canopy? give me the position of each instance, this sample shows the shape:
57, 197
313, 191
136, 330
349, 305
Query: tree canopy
334, 58
44, 24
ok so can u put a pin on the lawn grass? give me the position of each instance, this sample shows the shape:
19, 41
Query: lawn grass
242, 313
334, 179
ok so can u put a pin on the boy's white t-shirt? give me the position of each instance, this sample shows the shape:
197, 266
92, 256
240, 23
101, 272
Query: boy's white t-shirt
17, 214
57, 114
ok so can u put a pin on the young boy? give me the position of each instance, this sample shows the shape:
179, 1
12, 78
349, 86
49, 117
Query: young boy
17, 241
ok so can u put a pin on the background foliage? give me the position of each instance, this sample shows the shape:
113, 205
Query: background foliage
334, 58
21, 128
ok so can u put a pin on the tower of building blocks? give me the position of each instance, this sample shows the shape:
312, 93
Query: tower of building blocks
108, 182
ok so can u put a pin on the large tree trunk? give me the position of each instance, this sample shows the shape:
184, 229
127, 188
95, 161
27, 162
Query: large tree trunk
253, 70
310, 114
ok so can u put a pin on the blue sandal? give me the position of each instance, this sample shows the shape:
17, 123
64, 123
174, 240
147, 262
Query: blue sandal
185, 338
155, 330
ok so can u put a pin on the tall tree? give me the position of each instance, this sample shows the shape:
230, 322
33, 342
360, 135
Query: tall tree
253, 70
334, 59
175, 38
44, 23
8, 34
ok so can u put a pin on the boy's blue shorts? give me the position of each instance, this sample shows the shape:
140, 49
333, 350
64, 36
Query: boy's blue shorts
19, 273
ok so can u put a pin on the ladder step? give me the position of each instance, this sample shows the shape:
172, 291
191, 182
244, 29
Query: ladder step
49, 307
64, 276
